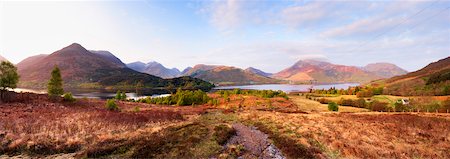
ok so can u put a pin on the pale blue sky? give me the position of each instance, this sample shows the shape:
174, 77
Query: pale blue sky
270, 35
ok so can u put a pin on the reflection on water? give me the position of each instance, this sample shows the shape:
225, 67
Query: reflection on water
290, 88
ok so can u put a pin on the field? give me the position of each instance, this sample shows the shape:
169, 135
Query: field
297, 128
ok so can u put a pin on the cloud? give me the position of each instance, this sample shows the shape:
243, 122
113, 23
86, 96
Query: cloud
298, 15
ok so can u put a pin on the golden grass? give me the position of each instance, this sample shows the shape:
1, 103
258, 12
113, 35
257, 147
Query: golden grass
363, 135
313, 106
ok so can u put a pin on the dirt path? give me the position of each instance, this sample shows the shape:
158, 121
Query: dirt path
255, 142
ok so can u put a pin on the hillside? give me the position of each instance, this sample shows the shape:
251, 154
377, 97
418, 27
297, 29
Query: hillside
433, 79
226, 75
324, 72
154, 68
83, 68
258, 71
385, 70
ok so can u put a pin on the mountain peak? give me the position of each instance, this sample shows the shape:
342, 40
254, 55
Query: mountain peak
75, 45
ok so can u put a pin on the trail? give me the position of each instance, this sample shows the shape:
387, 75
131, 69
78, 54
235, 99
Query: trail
255, 142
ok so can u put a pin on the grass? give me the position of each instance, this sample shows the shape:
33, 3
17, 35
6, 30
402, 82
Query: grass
313, 106
360, 135
301, 128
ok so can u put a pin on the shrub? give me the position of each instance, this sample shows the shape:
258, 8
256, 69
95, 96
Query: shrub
446, 104
378, 106
69, 98
399, 107
323, 101
332, 106
111, 105
120, 96
346, 102
181, 98
360, 103
364, 94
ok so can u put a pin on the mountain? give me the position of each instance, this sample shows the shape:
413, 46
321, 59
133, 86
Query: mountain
31, 61
109, 56
154, 68
2, 58
226, 75
257, 71
82, 68
433, 79
199, 68
385, 70
186, 70
324, 72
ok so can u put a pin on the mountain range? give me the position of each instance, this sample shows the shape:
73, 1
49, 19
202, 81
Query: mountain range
433, 79
83, 68
227, 75
90, 68
154, 68
325, 72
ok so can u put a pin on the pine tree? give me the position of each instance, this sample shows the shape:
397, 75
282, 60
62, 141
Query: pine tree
55, 85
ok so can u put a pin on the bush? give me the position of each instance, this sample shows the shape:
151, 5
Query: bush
324, 101
360, 103
332, 106
364, 94
68, 97
346, 102
111, 105
120, 96
446, 104
260, 93
378, 106
180, 98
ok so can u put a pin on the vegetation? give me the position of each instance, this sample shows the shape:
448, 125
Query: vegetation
332, 106
259, 93
180, 98
8, 78
111, 105
55, 84
68, 97
121, 96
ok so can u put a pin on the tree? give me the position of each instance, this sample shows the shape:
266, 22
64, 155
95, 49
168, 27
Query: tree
55, 85
8, 77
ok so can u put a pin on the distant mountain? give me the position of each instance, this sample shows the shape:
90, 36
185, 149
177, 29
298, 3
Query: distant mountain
385, 70
199, 68
324, 72
82, 68
226, 75
257, 71
186, 70
154, 68
434, 79
2, 58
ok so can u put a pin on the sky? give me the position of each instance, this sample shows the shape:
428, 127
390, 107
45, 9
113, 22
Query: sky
267, 34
